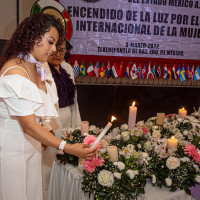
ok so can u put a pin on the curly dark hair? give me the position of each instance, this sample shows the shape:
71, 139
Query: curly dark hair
28, 31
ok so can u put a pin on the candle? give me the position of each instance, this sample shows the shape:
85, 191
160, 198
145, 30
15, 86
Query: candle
182, 113
112, 151
132, 116
84, 127
172, 143
160, 119
107, 127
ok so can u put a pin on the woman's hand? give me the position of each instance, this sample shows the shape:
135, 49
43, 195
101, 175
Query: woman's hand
80, 150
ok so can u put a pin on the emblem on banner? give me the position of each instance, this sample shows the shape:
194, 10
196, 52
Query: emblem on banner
55, 8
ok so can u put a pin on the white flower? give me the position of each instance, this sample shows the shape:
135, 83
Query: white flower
104, 143
155, 127
145, 155
125, 135
180, 120
92, 128
103, 150
166, 125
124, 127
185, 132
156, 134
137, 131
140, 123
120, 165
148, 146
131, 173
197, 179
173, 162
168, 181
153, 179
196, 167
105, 178
116, 131
139, 146
130, 148
117, 175
119, 137
185, 159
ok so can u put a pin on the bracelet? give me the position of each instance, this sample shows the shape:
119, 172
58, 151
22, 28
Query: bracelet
62, 145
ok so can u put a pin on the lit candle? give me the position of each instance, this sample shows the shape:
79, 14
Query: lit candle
172, 143
112, 151
107, 127
132, 116
160, 119
84, 127
182, 113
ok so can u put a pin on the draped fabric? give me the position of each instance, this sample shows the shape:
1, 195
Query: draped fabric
65, 86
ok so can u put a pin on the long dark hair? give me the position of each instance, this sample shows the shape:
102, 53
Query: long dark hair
28, 31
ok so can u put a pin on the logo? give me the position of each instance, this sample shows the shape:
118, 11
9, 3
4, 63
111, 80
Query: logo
90, 1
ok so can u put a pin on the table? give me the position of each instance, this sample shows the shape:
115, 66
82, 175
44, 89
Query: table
65, 184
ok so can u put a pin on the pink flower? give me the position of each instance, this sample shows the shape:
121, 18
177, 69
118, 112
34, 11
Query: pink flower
167, 116
90, 165
145, 130
192, 151
90, 139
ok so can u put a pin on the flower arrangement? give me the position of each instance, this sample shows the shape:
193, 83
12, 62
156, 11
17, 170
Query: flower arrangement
144, 155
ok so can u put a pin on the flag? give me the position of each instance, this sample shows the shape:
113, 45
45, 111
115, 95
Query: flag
166, 75
90, 70
149, 70
114, 70
159, 71
169, 70
187, 72
197, 74
120, 72
76, 69
102, 70
108, 70
133, 72
153, 72
174, 72
127, 70
139, 71
178, 71
191, 76
182, 75
96, 69
83, 70
144, 72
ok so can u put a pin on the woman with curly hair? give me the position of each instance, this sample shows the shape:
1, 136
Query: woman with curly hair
25, 100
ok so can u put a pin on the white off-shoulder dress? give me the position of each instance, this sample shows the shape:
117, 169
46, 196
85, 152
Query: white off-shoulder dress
20, 154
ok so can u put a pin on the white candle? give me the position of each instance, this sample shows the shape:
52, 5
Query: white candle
160, 119
182, 113
172, 143
107, 127
84, 127
132, 116
112, 151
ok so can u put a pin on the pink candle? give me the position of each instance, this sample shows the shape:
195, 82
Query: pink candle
132, 116
182, 113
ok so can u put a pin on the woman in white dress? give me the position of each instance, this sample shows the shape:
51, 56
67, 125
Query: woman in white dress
25, 99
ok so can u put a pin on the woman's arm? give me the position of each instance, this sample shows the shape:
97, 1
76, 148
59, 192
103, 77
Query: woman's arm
39, 133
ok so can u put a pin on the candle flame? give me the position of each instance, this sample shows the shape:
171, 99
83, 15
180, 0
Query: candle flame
133, 104
173, 137
113, 118
183, 108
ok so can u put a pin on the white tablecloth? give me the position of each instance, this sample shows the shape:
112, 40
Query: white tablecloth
65, 184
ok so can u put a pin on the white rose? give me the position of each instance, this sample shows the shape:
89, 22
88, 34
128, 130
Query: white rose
104, 143
148, 146
124, 127
119, 137
92, 128
145, 155
168, 181
197, 179
117, 175
120, 165
125, 135
139, 146
180, 119
116, 131
105, 178
166, 125
156, 134
131, 173
173, 163
155, 127
185, 132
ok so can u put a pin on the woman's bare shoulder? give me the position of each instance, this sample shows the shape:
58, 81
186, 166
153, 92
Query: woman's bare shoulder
12, 67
